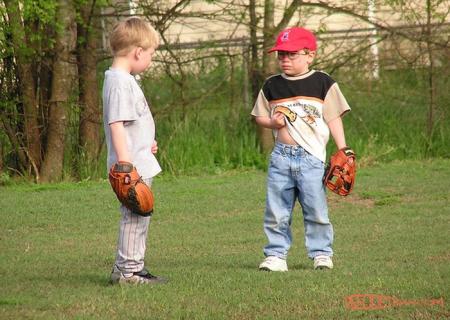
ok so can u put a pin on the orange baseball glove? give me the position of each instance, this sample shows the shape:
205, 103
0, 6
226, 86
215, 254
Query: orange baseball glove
130, 189
341, 172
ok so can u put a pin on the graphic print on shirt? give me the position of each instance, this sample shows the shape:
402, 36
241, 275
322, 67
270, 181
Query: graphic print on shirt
307, 109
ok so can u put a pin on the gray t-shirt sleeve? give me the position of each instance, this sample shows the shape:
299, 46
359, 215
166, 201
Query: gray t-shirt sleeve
121, 105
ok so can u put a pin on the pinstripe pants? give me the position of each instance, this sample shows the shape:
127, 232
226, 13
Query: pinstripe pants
133, 229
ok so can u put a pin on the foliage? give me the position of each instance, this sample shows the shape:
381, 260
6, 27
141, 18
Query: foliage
388, 119
5, 179
199, 96
387, 123
391, 238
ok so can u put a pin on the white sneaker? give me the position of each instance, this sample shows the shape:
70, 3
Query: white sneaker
323, 262
272, 263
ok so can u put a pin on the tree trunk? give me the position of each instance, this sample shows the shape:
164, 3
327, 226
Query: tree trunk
62, 86
234, 109
1, 158
90, 120
431, 76
26, 82
269, 64
254, 71
268, 67
245, 80
271, 31
15, 142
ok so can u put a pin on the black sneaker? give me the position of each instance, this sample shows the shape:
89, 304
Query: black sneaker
141, 277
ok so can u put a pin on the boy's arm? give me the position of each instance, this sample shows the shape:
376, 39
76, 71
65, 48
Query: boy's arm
119, 141
337, 132
276, 122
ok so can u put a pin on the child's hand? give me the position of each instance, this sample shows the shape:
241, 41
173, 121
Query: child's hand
278, 120
155, 147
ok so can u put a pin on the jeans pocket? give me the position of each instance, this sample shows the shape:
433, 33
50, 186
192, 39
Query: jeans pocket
313, 161
275, 158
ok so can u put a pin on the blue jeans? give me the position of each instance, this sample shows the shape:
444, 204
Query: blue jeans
296, 174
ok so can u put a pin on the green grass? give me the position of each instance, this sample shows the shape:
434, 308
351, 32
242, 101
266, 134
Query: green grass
391, 237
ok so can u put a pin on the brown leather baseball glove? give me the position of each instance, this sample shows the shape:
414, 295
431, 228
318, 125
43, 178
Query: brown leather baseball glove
341, 172
130, 189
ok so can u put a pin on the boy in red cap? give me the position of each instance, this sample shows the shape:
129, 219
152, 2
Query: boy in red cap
302, 107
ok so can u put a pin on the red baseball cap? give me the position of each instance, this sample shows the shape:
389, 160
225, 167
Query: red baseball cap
294, 39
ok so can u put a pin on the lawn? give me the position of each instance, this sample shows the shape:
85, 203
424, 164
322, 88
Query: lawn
391, 238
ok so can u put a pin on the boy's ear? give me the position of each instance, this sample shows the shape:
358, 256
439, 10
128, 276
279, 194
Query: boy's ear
312, 55
137, 52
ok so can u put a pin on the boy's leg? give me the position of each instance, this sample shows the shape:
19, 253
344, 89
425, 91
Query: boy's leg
132, 240
280, 202
312, 197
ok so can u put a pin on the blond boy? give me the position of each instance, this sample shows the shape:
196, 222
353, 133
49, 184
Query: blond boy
130, 137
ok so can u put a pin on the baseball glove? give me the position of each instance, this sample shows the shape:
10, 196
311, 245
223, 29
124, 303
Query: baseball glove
130, 189
341, 172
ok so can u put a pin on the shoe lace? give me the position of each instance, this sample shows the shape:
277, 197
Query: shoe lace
144, 273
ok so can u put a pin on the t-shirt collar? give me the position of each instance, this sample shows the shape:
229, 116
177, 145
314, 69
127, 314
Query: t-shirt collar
298, 77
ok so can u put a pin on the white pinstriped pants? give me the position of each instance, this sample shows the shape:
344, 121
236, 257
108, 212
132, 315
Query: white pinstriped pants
132, 240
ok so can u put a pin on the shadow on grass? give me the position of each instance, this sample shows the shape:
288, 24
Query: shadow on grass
81, 279
301, 266
298, 266
100, 280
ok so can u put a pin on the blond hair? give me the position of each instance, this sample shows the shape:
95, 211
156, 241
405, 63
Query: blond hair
130, 33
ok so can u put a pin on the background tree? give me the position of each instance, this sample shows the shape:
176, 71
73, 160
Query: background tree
88, 38
63, 79
39, 80
269, 64
18, 34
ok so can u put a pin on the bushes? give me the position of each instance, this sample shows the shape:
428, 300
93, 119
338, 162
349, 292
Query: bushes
389, 119
207, 127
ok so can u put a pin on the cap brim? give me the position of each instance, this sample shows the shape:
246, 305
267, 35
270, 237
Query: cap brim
283, 47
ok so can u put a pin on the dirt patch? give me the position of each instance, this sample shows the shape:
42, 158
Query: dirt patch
440, 258
354, 199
